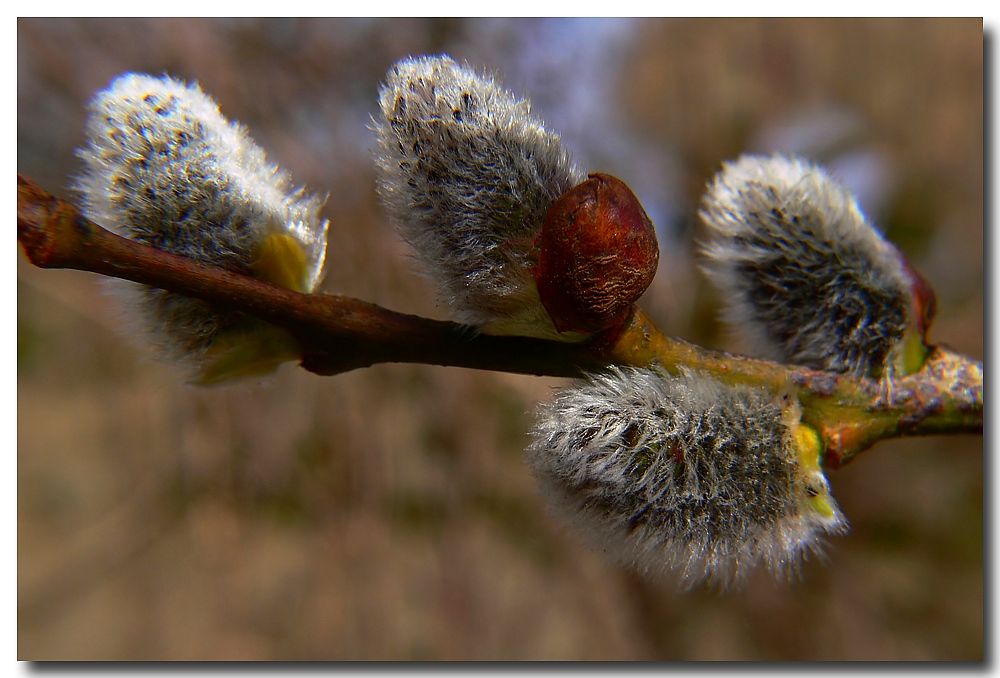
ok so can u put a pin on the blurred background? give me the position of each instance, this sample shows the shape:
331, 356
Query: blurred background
387, 513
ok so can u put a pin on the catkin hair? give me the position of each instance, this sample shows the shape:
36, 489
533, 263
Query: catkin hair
467, 173
162, 166
680, 473
804, 274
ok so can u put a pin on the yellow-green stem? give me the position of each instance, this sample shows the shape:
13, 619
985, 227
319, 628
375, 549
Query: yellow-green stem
850, 414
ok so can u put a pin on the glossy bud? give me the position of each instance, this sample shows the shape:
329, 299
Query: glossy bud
924, 298
597, 254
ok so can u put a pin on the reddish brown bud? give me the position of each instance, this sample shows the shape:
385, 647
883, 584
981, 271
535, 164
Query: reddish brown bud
597, 255
924, 298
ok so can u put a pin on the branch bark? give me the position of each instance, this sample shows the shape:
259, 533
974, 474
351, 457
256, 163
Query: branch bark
338, 334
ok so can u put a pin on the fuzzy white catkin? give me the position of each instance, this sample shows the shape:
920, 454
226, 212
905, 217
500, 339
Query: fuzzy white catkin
681, 473
165, 168
804, 274
467, 173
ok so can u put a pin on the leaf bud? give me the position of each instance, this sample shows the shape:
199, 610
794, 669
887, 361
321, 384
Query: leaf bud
597, 254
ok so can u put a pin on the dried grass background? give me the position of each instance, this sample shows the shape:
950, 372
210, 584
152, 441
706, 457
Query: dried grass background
387, 513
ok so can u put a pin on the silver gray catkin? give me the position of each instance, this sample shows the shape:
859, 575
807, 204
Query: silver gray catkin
162, 166
467, 173
804, 274
683, 473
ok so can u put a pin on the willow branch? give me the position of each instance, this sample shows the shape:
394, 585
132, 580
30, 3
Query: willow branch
338, 334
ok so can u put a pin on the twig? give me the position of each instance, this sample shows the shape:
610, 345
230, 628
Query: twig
338, 334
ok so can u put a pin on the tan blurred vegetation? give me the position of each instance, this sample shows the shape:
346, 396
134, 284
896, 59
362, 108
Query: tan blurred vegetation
386, 513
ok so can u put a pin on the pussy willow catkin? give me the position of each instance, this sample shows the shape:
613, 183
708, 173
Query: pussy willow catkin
165, 168
684, 473
805, 274
467, 173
